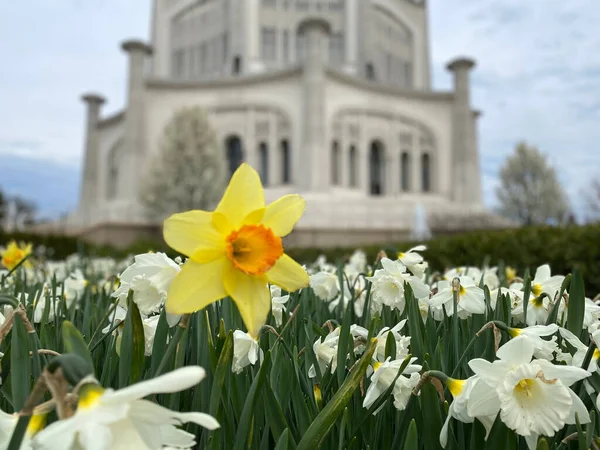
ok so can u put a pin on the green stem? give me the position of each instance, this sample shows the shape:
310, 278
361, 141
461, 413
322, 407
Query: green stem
181, 327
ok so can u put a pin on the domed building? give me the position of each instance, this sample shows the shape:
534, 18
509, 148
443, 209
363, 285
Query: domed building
331, 99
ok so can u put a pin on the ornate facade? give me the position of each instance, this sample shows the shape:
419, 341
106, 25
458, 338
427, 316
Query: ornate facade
328, 98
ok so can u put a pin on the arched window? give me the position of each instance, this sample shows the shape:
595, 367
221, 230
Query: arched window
335, 163
263, 154
235, 153
285, 162
376, 168
352, 166
405, 172
112, 178
370, 71
425, 173
237, 65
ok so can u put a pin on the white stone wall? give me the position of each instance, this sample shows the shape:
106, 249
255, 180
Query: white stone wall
196, 27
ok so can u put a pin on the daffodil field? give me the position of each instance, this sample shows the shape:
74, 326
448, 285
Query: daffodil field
234, 345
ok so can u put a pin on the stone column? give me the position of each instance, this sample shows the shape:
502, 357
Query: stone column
274, 150
253, 63
465, 159
134, 139
415, 183
351, 37
344, 143
89, 184
477, 189
314, 169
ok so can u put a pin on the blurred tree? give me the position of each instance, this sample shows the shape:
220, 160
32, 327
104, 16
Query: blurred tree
189, 171
24, 212
3, 206
592, 197
529, 189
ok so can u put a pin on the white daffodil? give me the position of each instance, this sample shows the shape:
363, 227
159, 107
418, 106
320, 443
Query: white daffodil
360, 296
543, 349
150, 277
121, 420
490, 278
325, 285
532, 397
461, 390
149, 324
245, 351
357, 262
74, 286
414, 261
39, 305
544, 283
278, 304
402, 342
470, 298
580, 350
383, 377
8, 422
388, 285
117, 316
326, 352
458, 272
591, 314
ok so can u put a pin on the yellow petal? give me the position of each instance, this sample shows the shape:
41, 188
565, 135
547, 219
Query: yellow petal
288, 274
243, 195
191, 232
197, 286
252, 297
282, 214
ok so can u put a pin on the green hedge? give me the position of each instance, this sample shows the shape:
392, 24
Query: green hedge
563, 248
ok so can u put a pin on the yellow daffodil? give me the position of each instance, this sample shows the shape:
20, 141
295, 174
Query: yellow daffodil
235, 251
14, 253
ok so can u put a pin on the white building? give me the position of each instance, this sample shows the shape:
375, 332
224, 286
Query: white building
328, 98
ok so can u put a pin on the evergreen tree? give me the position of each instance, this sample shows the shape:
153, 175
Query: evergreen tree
529, 189
189, 171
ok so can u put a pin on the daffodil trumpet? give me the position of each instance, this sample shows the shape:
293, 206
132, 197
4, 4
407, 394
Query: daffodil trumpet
235, 251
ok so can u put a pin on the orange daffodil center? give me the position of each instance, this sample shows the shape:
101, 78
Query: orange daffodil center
254, 249
235, 251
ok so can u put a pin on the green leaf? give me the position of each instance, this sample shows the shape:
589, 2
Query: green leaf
576, 304
132, 361
412, 437
430, 405
323, 423
274, 413
553, 316
501, 437
390, 346
343, 343
246, 418
285, 441
74, 342
20, 366
223, 367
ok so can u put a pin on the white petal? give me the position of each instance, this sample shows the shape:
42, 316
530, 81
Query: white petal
492, 374
579, 409
58, 435
175, 381
517, 351
483, 400
95, 436
567, 374
541, 274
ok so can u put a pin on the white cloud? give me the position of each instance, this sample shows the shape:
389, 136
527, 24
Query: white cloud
536, 79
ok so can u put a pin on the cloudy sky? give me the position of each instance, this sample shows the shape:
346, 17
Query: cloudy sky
537, 79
